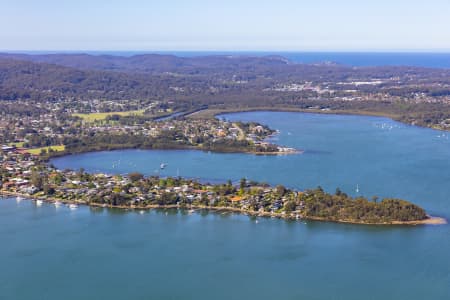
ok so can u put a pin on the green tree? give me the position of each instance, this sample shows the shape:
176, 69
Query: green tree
37, 180
243, 183
289, 206
280, 190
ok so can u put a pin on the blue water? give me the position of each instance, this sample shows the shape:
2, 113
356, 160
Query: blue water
419, 59
49, 253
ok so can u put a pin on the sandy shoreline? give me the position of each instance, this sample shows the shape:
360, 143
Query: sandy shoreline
430, 220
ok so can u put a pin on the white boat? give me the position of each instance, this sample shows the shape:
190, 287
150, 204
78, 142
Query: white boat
57, 204
73, 206
39, 202
141, 212
357, 188
18, 198
191, 211
163, 165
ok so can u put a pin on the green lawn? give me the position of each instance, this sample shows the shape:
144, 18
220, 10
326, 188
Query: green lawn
101, 116
37, 151
19, 145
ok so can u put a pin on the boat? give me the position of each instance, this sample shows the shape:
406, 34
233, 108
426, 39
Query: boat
73, 206
39, 202
18, 198
57, 204
141, 212
357, 188
191, 211
162, 166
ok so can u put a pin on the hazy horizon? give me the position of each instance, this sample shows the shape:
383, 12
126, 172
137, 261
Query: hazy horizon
262, 51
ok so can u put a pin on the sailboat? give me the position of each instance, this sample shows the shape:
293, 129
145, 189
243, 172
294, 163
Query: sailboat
357, 188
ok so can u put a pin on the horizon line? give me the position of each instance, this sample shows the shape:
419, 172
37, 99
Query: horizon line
390, 51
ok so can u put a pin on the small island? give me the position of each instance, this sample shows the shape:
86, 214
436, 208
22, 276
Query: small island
25, 175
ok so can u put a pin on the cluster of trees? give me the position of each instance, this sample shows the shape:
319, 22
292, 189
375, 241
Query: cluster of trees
170, 140
342, 207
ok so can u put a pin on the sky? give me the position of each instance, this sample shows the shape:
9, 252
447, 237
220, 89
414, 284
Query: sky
226, 25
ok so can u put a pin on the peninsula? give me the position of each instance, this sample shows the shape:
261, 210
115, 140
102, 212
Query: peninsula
25, 175
55, 135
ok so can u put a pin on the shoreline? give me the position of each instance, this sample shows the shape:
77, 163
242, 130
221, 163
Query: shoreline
214, 112
187, 148
430, 220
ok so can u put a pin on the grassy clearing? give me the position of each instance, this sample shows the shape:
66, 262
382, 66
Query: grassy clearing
19, 145
101, 116
37, 151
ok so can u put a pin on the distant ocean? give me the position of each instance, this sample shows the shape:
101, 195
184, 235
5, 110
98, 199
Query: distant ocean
419, 59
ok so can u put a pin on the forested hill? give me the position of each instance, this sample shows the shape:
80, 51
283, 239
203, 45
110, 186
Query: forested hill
410, 94
21, 80
156, 63
274, 66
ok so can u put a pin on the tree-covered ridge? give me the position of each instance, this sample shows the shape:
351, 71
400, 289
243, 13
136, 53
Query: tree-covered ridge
84, 83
